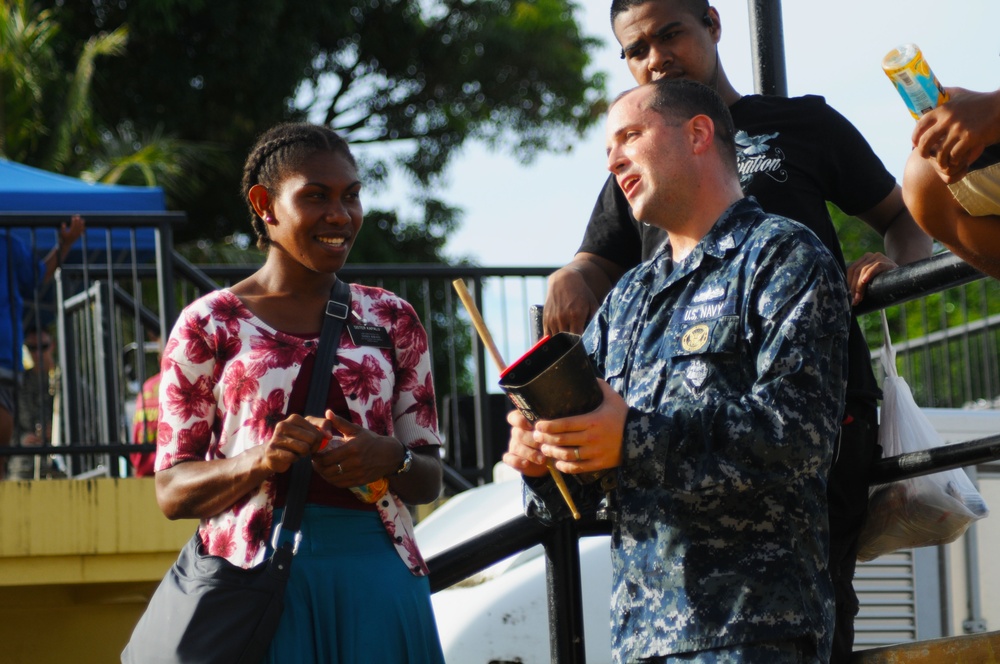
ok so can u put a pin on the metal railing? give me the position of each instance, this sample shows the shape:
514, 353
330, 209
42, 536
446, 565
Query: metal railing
86, 341
115, 304
111, 314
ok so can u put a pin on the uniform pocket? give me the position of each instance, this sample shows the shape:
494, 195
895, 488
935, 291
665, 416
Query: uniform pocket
704, 357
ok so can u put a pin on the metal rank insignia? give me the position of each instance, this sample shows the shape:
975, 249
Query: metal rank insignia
695, 338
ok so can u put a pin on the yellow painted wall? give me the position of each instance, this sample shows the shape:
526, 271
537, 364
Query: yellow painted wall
968, 649
79, 559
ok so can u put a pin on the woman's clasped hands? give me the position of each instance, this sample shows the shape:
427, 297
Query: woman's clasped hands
343, 453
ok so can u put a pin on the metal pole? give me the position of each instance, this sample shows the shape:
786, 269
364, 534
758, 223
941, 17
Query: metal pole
910, 282
463, 560
565, 595
484, 437
164, 247
975, 623
767, 47
946, 457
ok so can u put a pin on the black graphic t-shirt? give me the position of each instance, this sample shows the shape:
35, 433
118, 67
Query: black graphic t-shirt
794, 154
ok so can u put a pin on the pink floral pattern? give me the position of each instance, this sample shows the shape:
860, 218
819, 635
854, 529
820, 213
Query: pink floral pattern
265, 415
241, 384
425, 407
229, 312
412, 339
188, 399
226, 381
360, 380
274, 352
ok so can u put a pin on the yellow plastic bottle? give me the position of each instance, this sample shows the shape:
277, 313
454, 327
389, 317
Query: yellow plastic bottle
916, 83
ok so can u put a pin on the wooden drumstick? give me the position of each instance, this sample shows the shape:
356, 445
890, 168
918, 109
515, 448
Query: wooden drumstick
484, 334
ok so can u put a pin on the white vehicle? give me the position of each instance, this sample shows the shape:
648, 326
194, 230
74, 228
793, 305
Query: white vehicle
500, 616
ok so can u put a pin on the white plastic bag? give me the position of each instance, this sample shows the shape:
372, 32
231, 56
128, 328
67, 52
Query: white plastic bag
921, 511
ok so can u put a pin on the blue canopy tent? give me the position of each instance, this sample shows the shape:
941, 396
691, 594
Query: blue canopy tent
24, 189
121, 221
95, 308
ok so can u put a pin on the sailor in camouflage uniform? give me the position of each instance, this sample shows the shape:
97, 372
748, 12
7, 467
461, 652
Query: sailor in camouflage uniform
728, 349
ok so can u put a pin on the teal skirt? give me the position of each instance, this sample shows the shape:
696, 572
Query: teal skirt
351, 599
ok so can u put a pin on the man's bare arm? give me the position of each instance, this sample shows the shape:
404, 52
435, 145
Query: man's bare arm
905, 242
576, 290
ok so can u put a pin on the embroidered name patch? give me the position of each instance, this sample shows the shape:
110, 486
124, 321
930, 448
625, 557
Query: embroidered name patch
709, 294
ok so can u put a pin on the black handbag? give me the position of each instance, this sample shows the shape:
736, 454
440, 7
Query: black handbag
207, 610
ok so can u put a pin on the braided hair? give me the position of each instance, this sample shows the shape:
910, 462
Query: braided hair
279, 150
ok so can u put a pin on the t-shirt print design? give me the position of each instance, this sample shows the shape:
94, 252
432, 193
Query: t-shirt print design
754, 154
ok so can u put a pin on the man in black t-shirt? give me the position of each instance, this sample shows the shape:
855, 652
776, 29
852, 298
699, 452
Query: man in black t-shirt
794, 155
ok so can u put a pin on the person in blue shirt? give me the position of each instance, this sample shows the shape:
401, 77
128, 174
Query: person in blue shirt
724, 359
20, 275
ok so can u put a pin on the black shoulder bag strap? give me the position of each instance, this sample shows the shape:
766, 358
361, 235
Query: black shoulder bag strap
337, 310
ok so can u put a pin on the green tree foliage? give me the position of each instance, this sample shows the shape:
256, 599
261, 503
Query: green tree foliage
45, 103
385, 238
419, 76
941, 373
47, 116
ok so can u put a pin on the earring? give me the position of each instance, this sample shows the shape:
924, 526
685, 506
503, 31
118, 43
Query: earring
268, 218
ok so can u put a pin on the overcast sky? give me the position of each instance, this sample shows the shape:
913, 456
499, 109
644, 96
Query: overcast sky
535, 215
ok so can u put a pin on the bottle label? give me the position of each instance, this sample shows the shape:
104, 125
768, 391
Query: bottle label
371, 493
914, 80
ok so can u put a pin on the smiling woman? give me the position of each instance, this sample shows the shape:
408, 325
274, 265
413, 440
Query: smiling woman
315, 213
235, 379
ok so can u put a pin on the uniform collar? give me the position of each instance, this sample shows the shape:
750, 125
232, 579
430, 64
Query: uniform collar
725, 236
731, 228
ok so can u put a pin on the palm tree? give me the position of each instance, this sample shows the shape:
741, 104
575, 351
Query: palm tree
139, 158
47, 119
44, 111
26, 65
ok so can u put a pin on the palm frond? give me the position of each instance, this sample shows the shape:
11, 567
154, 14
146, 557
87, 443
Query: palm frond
153, 159
77, 111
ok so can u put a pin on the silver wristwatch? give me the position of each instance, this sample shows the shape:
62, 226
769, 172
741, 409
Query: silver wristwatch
407, 461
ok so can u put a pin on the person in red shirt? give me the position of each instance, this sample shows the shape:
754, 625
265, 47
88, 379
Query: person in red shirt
147, 410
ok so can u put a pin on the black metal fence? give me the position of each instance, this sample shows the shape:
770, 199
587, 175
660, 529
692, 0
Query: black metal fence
79, 310
945, 322
113, 303
109, 317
